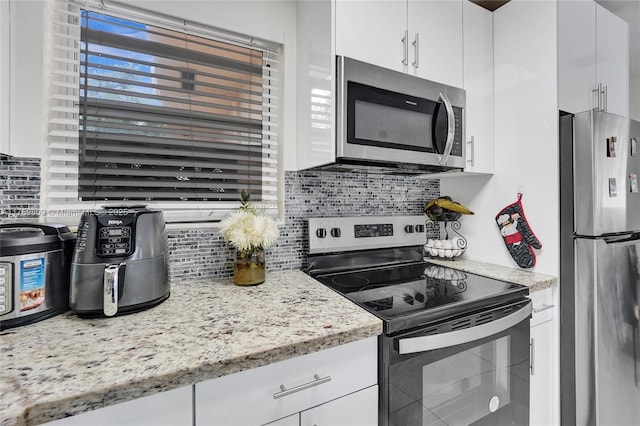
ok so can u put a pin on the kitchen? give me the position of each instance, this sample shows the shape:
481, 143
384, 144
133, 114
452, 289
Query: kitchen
522, 73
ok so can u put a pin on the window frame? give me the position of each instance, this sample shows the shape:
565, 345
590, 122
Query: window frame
69, 210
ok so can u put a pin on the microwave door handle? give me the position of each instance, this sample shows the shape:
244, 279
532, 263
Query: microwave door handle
411, 345
451, 126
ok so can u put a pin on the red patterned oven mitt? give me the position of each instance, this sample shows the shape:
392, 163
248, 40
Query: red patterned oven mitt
518, 236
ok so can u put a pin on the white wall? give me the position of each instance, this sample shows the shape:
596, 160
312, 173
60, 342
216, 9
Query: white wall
634, 98
4, 76
273, 20
526, 138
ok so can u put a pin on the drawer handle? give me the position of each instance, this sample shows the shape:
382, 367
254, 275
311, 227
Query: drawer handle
544, 307
318, 381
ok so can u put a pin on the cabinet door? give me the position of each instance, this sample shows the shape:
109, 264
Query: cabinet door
357, 409
372, 31
542, 390
542, 396
576, 55
170, 408
437, 54
478, 83
612, 60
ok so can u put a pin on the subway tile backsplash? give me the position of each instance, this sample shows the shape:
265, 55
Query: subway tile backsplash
203, 254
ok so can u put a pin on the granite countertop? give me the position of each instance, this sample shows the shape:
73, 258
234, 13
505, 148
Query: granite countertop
533, 280
66, 365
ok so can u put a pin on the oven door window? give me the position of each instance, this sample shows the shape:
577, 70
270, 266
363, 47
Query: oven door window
382, 118
485, 382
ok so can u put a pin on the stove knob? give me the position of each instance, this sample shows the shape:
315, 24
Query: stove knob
321, 233
420, 228
336, 232
408, 229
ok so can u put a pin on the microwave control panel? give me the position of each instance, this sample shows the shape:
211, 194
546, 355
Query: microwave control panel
457, 147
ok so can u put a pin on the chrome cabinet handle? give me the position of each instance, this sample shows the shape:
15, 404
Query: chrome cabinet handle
411, 345
318, 381
405, 59
451, 128
544, 307
110, 289
416, 51
604, 98
472, 145
532, 354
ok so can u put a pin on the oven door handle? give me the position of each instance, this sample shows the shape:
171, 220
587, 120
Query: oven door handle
444, 340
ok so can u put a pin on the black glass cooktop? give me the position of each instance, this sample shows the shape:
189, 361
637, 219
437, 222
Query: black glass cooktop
409, 295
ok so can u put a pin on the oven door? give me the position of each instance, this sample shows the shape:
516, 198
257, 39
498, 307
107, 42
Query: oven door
468, 371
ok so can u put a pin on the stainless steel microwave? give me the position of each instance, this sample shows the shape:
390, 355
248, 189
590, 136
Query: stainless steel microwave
394, 121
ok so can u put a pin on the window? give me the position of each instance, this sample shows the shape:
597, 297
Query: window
172, 116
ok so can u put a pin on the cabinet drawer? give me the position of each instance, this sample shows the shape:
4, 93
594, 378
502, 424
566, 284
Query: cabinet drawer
543, 306
256, 397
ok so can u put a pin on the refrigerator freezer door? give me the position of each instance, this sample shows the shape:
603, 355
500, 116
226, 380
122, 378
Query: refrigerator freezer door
606, 167
607, 352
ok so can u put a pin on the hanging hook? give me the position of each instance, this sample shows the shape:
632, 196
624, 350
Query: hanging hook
520, 191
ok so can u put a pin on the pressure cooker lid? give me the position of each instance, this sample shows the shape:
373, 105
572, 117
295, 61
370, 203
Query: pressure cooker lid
24, 238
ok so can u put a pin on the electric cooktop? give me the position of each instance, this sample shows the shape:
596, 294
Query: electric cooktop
419, 291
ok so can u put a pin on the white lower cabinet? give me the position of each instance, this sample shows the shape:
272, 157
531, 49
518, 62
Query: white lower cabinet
543, 349
170, 408
280, 390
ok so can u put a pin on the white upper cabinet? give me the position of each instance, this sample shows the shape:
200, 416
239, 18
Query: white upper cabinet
372, 31
478, 84
593, 58
612, 60
423, 38
435, 40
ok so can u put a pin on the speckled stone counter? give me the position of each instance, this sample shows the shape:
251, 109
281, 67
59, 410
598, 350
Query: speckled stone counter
533, 280
66, 365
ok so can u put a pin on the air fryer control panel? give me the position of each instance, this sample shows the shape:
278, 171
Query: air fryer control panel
108, 234
114, 241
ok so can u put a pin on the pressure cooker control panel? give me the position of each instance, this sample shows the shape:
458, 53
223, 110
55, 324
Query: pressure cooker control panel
6, 287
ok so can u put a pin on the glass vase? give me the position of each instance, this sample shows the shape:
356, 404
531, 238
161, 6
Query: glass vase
249, 267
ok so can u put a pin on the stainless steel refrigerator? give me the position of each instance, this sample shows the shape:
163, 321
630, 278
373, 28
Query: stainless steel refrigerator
599, 270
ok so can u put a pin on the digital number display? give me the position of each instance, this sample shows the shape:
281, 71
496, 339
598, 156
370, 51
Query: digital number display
374, 230
115, 232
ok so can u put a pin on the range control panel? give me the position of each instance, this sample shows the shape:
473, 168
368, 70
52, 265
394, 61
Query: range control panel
366, 232
6, 287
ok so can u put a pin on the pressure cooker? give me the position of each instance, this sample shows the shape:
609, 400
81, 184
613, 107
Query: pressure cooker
35, 261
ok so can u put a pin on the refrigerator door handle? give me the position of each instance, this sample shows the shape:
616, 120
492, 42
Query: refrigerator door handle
633, 239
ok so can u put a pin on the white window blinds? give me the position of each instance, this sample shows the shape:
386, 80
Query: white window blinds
164, 117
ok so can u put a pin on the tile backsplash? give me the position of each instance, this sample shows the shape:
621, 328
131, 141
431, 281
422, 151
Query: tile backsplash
19, 189
203, 254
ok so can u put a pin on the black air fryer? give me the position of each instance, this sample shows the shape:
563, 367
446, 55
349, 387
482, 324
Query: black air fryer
119, 263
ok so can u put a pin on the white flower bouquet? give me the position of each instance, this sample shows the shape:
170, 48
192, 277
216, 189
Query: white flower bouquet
248, 229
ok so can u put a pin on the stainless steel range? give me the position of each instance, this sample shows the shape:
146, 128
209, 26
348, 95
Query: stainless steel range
455, 346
